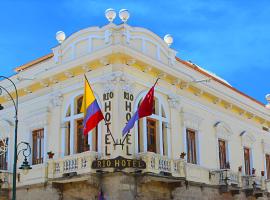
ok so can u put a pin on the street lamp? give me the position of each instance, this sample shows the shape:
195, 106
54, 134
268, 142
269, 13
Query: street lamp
26, 151
15, 104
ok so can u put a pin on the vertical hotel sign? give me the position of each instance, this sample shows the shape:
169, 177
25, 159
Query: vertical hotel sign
107, 98
128, 99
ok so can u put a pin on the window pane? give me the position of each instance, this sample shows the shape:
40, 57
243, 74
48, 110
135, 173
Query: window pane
38, 146
3, 157
247, 161
268, 165
79, 102
191, 146
82, 140
151, 135
222, 153
68, 112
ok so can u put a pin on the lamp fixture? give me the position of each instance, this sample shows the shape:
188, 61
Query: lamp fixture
110, 14
168, 39
124, 15
60, 36
268, 99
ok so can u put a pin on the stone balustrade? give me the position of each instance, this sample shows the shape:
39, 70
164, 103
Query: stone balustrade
77, 163
253, 182
158, 164
5, 179
226, 177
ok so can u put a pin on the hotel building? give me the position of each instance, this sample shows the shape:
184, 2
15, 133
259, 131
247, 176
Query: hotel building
204, 140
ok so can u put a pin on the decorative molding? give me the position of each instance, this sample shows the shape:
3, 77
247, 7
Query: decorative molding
198, 92
174, 101
37, 118
69, 74
191, 120
228, 106
53, 80
131, 61
110, 81
104, 61
248, 139
27, 90
176, 82
216, 100
162, 75
147, 69
184, 85
56, 99
126, 84
266, 146
86, 68
43, 83
223, 131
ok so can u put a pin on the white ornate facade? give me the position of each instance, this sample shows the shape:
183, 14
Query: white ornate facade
122, 63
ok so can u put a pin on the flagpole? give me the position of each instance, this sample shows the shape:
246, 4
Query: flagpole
122, 143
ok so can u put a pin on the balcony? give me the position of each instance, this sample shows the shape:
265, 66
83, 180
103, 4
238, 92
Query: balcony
5, 179
226, 177
71, 165
252, 182
162, 165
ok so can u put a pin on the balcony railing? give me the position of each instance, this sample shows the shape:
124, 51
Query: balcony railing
158, 164
5, 179
252, 182
226, 177
77, 163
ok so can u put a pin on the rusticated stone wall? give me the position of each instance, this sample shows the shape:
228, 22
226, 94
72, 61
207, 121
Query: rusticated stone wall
117, 186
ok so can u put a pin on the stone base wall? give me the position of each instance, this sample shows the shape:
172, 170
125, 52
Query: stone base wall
117, 186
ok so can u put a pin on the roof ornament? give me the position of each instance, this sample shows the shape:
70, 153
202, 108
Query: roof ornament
60, 36
168, 39
124, 15
110, 14
268, 99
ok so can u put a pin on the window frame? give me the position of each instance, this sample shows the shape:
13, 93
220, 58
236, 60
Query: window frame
71, 107
194, 160
38, 159
141, 132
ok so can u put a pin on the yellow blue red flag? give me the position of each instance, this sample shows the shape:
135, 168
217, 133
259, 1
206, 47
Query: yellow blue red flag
90, 108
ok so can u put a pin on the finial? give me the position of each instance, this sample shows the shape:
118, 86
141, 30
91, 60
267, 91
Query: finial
110, 14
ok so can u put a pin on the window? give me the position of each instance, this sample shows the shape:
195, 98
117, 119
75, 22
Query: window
151, 135
82, 140
191, 146
38, 146
222, 154
267, 160
247, 161
152, 130
3, 156
74, 139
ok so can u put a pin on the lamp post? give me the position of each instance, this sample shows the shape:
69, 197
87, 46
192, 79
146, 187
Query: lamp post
15, 103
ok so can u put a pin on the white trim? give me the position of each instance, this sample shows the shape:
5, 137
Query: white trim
159, 118
45, 146
71, 119
198, 146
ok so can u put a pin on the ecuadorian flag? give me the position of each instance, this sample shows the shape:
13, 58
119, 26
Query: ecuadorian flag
90, 108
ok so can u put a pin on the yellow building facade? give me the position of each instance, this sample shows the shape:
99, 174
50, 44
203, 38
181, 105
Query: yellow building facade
204, 140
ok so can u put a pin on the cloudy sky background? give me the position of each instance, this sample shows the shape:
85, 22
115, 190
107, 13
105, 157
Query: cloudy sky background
228, 37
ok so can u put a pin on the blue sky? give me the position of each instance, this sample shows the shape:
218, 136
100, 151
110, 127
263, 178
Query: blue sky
228, 37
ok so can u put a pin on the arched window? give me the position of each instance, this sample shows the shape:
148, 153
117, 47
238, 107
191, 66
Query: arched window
152, 131
73, 138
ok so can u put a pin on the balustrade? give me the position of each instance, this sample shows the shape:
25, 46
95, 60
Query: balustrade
77, 163
159, 164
